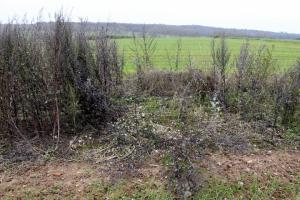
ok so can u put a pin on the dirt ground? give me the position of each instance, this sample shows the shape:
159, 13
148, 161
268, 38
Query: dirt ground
284, 165
60, 180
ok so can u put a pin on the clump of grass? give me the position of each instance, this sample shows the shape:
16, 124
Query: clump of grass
149, 189
168, 160
249, 187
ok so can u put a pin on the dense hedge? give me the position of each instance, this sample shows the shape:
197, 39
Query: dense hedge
53, 81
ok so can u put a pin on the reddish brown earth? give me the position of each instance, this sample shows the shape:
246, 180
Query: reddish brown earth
74, 178
282, 164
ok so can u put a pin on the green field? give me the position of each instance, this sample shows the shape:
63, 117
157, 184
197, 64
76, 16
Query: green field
285, 51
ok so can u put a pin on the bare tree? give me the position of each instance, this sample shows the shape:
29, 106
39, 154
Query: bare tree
243, 63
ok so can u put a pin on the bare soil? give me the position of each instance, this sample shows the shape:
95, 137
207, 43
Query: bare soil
60, 180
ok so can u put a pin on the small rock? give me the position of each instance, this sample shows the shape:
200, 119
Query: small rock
9, 179
57, 174
241, 183
269, 152
250, 161
187, 194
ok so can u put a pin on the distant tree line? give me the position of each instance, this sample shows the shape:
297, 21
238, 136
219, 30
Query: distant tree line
126, 30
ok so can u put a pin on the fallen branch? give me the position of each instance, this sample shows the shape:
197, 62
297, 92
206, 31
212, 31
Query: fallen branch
13, 124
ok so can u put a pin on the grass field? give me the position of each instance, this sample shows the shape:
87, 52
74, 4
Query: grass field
285, 51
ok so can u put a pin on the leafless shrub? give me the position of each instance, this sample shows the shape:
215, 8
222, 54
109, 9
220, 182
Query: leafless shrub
143, 49
291, 96
190, 61
147, 46
254, 83
174, 61
24, 84
220, 57
48, 77
260, 82
243, 64
166, 83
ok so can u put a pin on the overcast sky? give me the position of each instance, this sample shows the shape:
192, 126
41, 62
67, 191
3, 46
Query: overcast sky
272, 15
